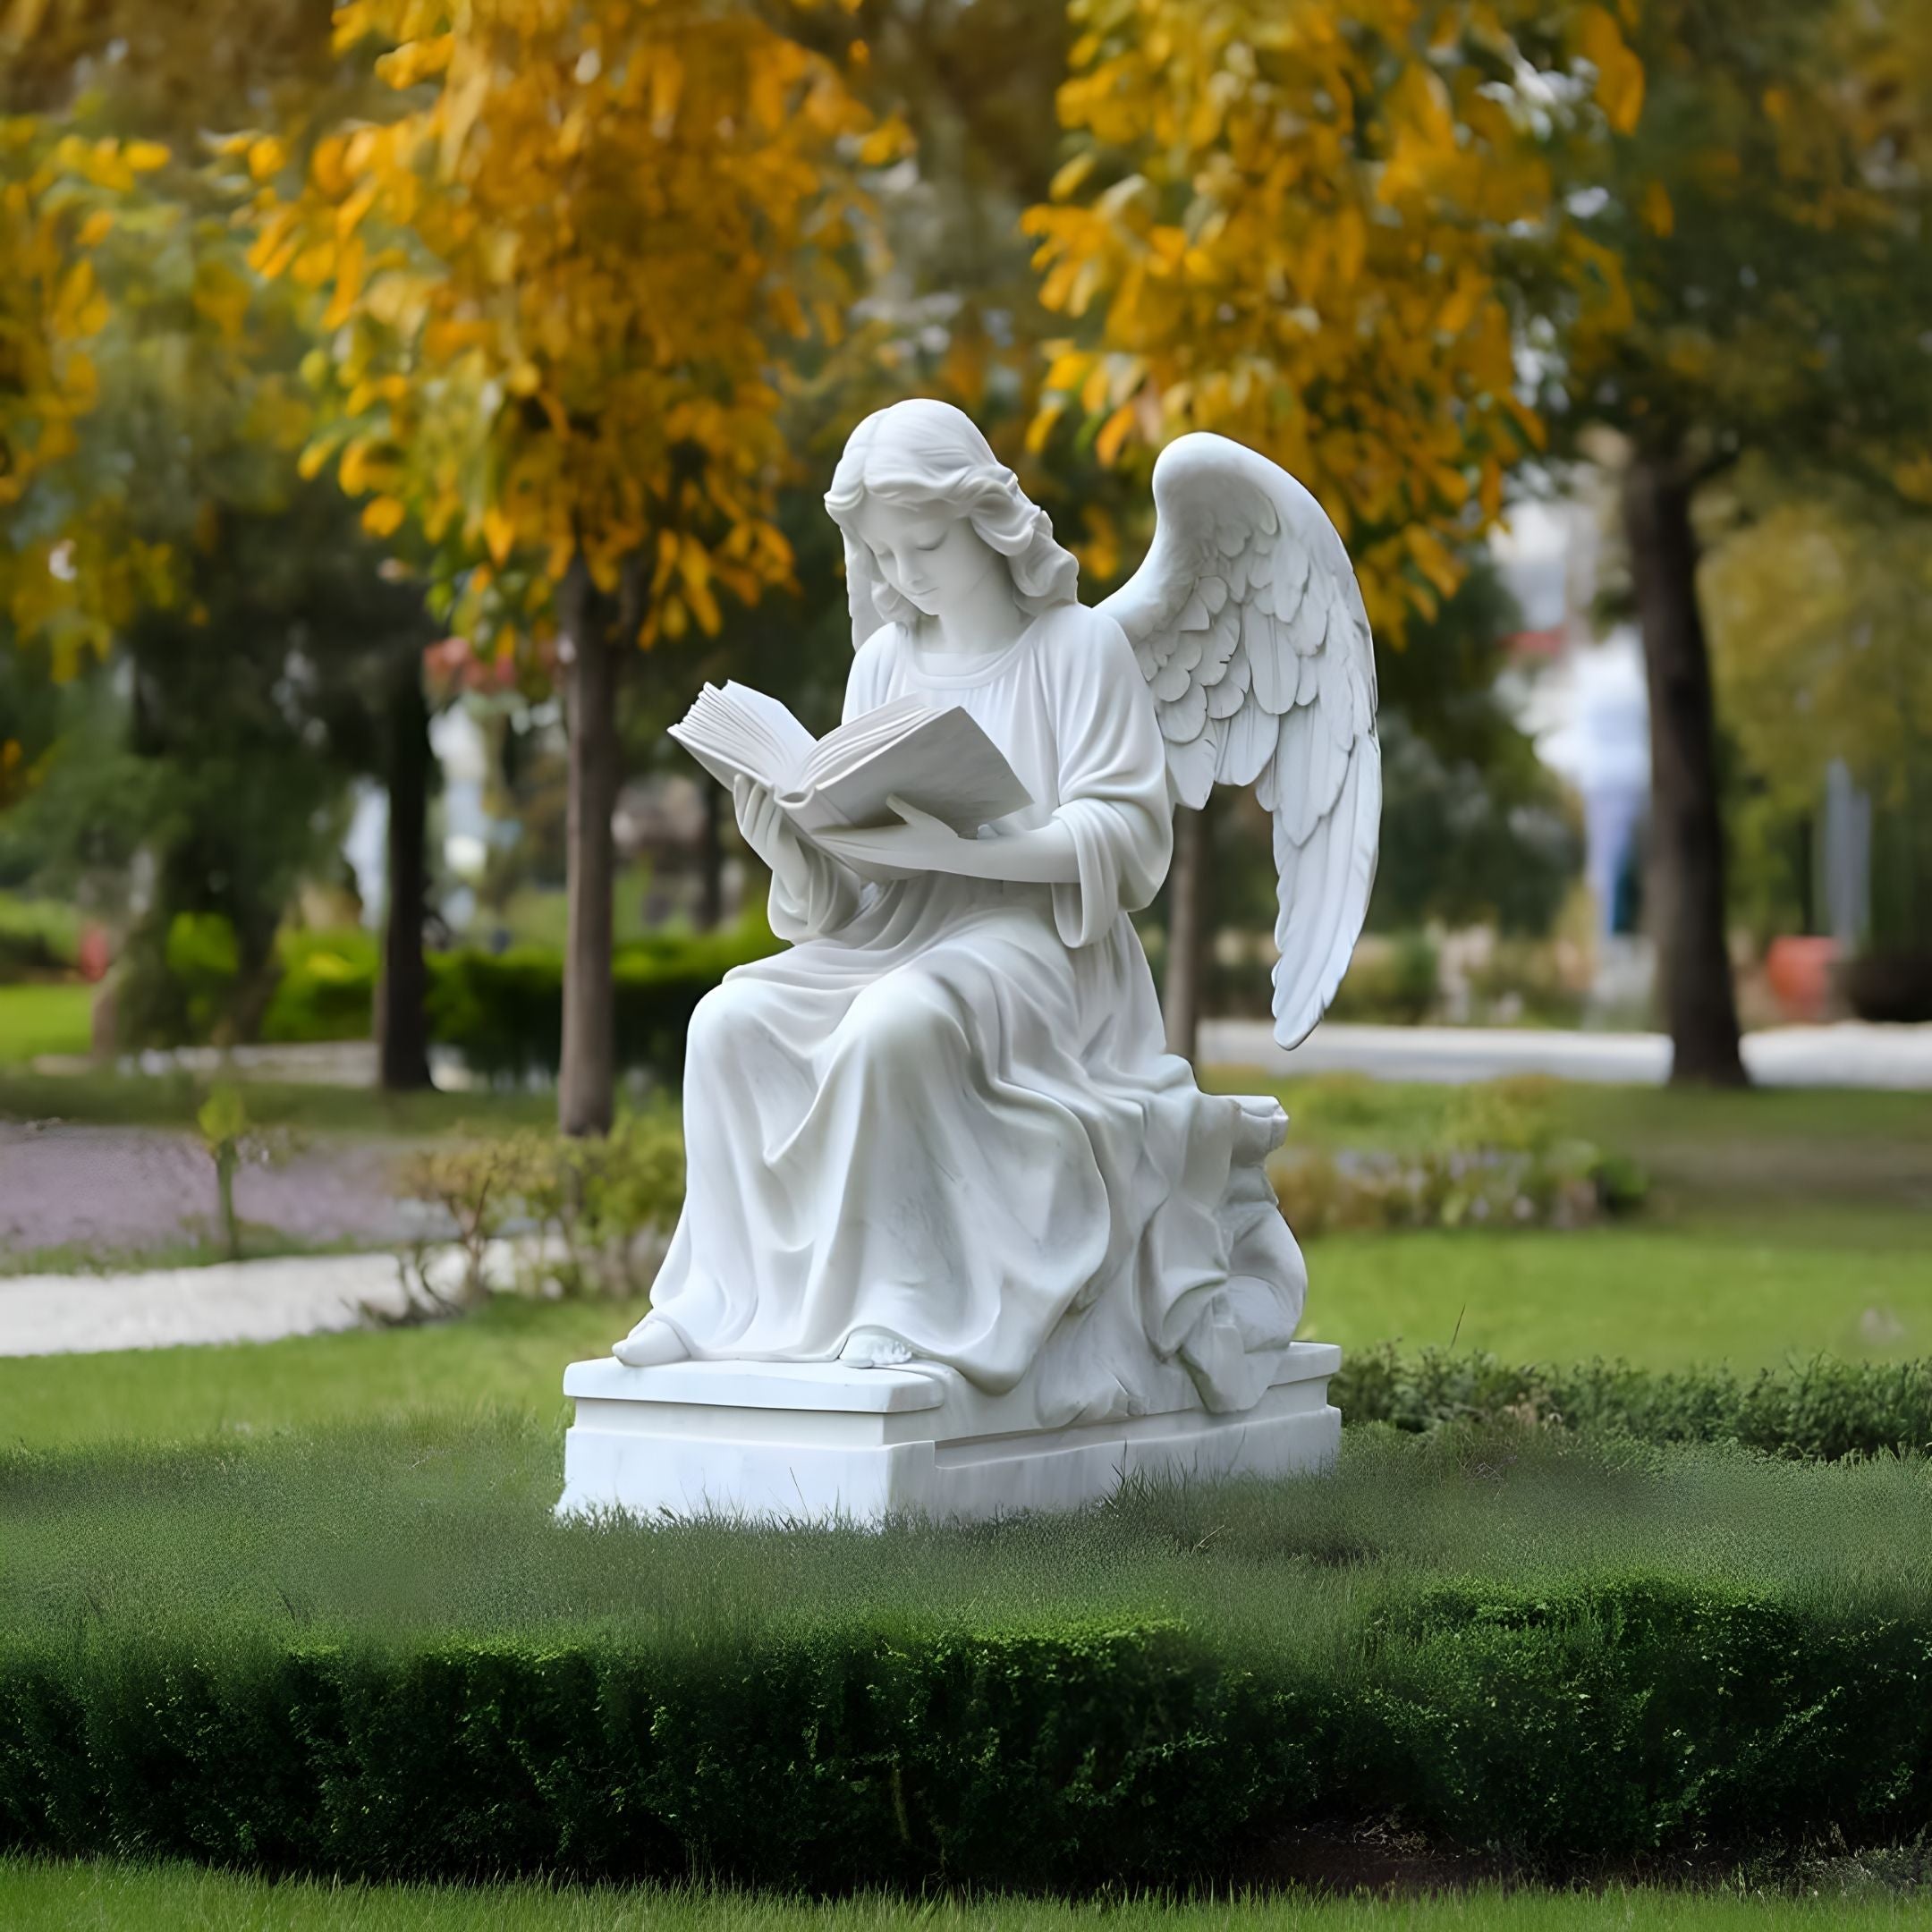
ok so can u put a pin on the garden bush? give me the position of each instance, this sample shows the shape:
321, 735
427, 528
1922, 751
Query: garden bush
1390, 981
597, 1211
1817, 1411
504, 1012
326, 990
376, 1654
1603, 1720
1496, 1158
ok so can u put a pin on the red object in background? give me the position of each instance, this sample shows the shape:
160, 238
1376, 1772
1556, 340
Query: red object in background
1799, 975
93, 955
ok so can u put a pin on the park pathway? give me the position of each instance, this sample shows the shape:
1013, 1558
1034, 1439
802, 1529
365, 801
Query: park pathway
164, 1308
1851, 1053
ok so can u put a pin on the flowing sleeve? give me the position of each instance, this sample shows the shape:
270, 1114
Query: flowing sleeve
833, 892
1113, 781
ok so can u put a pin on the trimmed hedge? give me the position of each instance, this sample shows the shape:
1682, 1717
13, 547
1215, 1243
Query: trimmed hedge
1610, 1718
1819, 1410
504, 1012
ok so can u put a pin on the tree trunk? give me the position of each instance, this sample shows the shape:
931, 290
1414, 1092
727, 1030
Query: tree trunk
1187, 887
402, 1025
586, 1084
711, 860
1687, 868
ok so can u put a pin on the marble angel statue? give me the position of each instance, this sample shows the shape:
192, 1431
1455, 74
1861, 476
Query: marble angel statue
943, 1127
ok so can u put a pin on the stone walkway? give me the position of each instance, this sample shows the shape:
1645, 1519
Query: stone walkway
1850, 1053
229, 1301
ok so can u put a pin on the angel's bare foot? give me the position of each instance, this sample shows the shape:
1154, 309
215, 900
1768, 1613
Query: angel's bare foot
873, 1348
650, 1344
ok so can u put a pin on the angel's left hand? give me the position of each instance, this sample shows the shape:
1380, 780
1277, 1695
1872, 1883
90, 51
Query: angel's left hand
918, 843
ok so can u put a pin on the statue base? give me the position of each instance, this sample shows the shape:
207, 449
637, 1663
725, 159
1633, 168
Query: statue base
817, 1442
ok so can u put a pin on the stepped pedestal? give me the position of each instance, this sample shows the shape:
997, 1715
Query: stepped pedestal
814, 1442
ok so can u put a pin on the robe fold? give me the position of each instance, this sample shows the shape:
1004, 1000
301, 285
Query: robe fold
947, 1111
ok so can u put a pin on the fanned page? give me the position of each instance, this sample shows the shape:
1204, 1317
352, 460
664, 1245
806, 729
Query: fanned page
939, 761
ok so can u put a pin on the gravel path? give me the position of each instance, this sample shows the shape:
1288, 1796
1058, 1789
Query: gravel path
111, 1189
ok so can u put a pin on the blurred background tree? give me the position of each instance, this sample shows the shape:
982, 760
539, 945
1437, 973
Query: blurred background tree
266, 650
1314, 229
1819, 606
555, 273
1768, 208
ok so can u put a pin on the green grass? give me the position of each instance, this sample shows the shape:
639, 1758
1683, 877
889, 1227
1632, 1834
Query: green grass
48, 1897
444, 1526
44, 1019
512, 1355
1661, 1297
1708, 1152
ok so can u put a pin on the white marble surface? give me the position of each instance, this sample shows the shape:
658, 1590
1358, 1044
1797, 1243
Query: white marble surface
943, 1127
828, 1441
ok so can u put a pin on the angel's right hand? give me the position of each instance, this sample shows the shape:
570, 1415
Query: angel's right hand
766, 828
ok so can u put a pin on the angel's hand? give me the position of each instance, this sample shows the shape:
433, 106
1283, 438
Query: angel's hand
918, 843
770, 833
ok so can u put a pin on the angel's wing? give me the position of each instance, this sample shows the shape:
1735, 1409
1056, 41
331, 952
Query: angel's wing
1249, 625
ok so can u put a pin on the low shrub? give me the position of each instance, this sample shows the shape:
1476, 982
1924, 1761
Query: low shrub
327, 986
1894, 987
374, 1650
1392, 980
1820, 1411
594, 1214
1610, 1718
1496, 1159
504, 1012
39, 939
1540, 981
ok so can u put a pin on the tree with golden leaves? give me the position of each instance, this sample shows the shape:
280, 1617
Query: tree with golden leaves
70, 569
556, 277
1318, 228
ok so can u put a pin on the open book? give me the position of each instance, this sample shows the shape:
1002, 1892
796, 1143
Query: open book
939, 761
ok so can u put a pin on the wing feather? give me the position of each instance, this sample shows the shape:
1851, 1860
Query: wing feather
1249, 625
1192, 764
1231, 692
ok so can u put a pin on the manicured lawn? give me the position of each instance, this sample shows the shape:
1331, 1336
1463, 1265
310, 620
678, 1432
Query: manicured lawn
43, 1019
374, 1649
117, 1898
512, 1355
442, 1528
1660, 1296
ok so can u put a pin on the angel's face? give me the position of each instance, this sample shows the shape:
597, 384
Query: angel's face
931, 557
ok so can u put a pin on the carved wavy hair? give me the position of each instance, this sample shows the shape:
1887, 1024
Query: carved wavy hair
927, 455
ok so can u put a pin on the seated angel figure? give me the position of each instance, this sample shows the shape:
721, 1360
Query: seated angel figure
943, 1127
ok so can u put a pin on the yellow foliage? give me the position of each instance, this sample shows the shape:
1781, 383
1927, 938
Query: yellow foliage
1289, 222
1816, 606
383, 516
556, 275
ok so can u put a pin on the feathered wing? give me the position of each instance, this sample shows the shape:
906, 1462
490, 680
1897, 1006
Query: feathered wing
1250, 629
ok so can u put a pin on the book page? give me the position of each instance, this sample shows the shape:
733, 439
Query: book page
941, 762
792, 743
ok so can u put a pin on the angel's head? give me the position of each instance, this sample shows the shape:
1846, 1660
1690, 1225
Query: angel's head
928, 512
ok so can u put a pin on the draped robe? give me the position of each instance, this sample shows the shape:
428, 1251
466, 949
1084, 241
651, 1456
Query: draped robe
947, 1111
